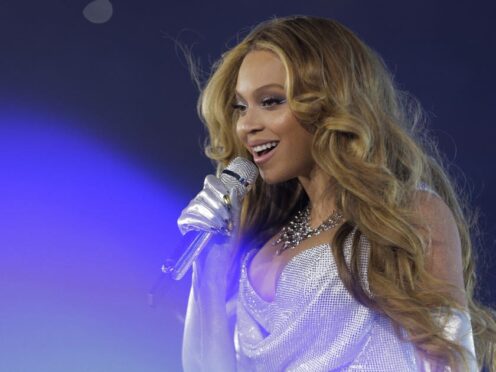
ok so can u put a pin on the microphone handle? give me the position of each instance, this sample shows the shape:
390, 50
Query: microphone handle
195, 241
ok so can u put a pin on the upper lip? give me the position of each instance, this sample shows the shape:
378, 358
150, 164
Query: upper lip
252, 144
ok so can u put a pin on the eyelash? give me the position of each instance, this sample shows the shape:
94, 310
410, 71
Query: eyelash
266, 102
271, 101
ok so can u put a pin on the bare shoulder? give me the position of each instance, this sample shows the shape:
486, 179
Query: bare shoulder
443, 255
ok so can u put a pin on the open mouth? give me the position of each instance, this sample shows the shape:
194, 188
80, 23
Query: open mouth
261, 150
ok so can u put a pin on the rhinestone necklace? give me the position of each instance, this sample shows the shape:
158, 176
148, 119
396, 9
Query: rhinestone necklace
298, 229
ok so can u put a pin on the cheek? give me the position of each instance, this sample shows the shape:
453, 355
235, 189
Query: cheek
301, 145
238, 130
303, 151
299, 136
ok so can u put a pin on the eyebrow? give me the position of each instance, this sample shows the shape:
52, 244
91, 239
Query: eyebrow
273, 85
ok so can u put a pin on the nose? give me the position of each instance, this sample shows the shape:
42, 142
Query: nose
249, 122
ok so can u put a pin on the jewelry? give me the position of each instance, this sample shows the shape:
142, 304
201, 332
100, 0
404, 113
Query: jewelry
227, 201
298, 229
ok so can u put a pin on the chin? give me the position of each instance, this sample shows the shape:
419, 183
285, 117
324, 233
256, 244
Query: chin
272, 178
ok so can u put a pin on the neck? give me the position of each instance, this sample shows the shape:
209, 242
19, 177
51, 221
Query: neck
319, 188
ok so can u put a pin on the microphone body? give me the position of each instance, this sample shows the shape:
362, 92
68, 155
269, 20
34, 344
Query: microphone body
238, 176
195, 242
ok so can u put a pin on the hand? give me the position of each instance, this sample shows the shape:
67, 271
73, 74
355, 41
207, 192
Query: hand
217, 210
214, 209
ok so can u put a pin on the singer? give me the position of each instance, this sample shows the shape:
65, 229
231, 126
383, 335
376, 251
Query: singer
352, 250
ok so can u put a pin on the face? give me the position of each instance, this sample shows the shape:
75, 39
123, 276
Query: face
279, 144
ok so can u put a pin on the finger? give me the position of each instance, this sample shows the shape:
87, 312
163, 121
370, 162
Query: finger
204, 212
217, 206
210, 208
199, 211
215, 186
197, 226
188, 222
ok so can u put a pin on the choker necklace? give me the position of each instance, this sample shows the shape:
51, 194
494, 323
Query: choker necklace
298, 229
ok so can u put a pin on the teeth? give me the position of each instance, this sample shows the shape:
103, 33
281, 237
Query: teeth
265, 146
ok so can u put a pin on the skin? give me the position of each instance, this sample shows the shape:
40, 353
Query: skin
265, 115
208, 334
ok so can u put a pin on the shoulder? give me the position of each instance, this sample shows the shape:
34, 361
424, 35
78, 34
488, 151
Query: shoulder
437, 218
443, 255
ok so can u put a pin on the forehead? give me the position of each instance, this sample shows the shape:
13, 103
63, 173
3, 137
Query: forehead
260, 68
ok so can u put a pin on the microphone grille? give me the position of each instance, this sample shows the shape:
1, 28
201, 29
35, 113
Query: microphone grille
240, 173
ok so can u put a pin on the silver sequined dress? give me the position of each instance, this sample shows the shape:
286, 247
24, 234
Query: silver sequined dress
315, 324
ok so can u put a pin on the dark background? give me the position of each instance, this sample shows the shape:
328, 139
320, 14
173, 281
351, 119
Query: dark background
96, 118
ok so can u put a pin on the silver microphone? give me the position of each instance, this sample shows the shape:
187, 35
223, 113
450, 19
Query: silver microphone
239, 175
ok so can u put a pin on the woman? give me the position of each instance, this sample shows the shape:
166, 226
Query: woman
351, 251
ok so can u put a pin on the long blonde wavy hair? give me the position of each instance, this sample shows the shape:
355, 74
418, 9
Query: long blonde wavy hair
368, 136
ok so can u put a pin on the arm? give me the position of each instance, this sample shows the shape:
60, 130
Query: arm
208, 340
444, 261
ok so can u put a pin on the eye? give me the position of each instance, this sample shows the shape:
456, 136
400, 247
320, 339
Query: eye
238, 107
272, 101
